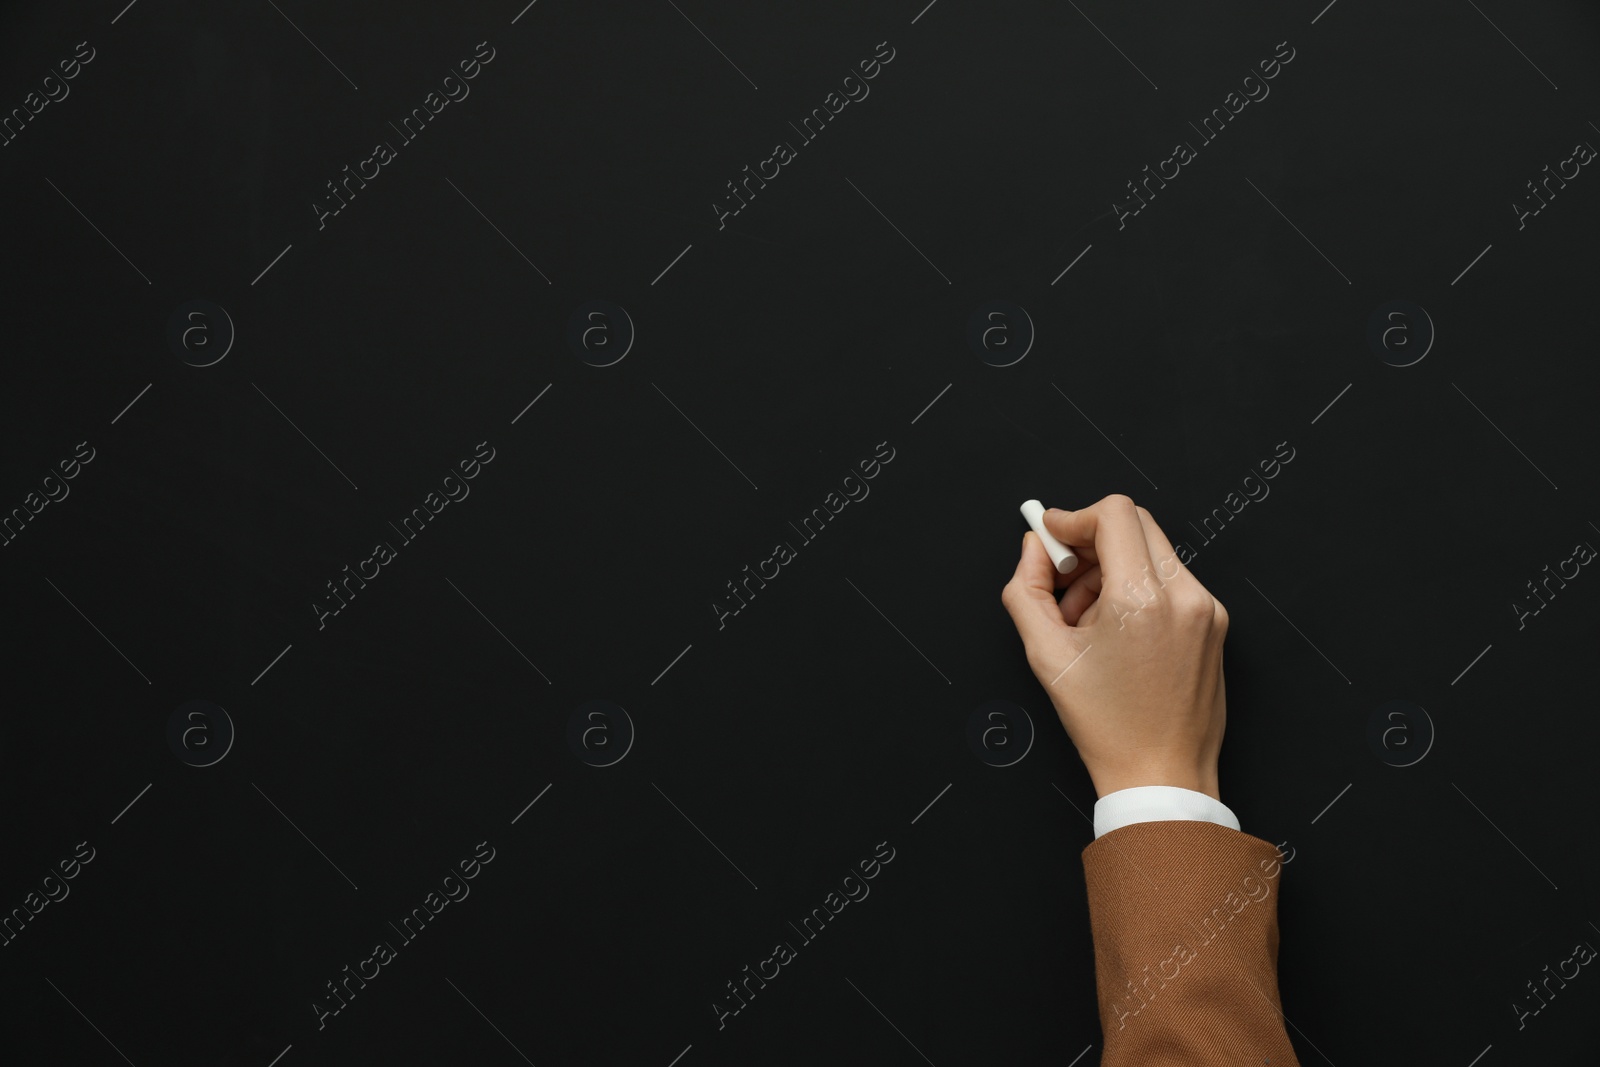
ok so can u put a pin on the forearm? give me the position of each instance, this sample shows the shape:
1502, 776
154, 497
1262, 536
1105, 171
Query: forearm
1185, 926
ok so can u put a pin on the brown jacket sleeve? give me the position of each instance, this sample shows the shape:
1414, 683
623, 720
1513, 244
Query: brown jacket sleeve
1185, 920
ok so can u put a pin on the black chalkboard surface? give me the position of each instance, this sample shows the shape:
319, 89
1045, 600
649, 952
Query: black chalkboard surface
505, 507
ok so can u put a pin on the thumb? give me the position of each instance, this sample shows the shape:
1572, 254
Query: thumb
1030, 598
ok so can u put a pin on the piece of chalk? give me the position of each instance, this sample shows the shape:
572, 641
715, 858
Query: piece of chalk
1060, 554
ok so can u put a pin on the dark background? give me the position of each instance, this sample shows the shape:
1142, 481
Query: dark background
771, 755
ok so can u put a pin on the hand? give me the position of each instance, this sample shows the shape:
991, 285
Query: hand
1131, 655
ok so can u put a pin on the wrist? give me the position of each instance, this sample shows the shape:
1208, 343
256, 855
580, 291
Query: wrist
1200, 780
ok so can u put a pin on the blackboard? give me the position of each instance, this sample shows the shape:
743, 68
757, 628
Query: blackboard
528, 486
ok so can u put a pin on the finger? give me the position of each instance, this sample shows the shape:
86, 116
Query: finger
1086, 553
1163, 556
1111, 526
1080, 595
1029, 597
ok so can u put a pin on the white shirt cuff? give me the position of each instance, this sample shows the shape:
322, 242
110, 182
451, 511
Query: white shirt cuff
1157, 803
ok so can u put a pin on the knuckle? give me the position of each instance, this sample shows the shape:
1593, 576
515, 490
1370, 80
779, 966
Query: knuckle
1194, 604
1120, 501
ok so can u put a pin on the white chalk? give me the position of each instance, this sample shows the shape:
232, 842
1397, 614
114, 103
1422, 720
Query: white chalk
1060, 554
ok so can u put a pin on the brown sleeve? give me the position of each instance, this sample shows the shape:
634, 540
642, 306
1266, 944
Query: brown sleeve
1185, 921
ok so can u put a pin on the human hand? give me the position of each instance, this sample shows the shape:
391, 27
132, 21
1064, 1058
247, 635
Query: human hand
1131, 654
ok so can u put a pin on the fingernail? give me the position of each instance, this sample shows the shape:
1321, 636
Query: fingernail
1054, 511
